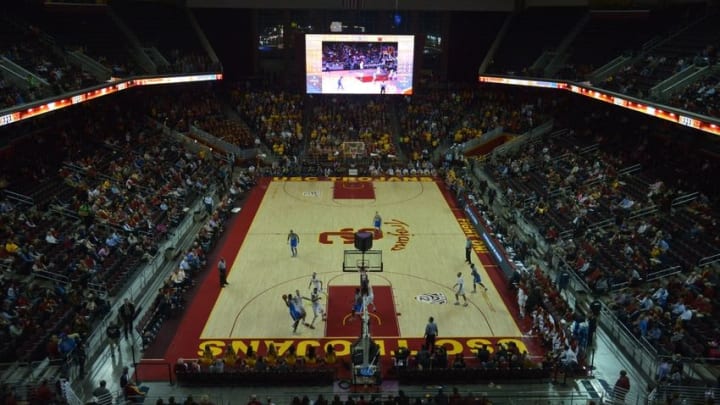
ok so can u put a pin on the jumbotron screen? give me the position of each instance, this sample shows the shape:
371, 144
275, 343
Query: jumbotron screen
359, 63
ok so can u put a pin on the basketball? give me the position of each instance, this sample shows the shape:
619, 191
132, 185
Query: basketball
284, 296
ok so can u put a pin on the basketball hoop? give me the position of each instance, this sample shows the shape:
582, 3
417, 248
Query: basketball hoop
352, 149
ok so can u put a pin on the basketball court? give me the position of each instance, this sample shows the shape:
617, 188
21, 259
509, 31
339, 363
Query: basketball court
365, 81
422, 249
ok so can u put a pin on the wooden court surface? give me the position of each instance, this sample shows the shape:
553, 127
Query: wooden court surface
425, 263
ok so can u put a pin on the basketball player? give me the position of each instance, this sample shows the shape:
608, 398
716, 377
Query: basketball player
298, 301
356, 304
294, 240
460, 291
364, 282
476, 278
377, 224
369, 299
294, 313
315, 283
317, 307
340, 85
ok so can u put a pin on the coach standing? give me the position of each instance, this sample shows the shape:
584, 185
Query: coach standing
468, 249
222, 270
127, 314
431, 331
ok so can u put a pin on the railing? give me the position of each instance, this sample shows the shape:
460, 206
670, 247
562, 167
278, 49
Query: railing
670, 271
499, 395
69, 394
685, 394
641, 351
588, 149
64, 211
52, 276
660, 274
217, 143
559, 133
708, 260
530, 136
475, 142
601, 224
641, 212
630, 169
684, 199
21, 198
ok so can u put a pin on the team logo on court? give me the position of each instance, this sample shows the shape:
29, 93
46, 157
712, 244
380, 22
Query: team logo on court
347, 235
432, 298
401, 232
398, 229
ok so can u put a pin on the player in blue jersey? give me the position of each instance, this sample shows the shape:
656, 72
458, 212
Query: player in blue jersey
377, 224
293, 240
476, 278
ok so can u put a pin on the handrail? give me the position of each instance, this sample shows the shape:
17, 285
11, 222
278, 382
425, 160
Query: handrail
22, 198
560, 132
589, 149
708, 260
560, 157
641, 351
630, 169
221, 144
685, 198
667, 272
475, 142
641, 212
52, 276
602, 224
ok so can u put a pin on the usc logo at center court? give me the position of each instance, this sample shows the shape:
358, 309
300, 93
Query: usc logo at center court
400, 230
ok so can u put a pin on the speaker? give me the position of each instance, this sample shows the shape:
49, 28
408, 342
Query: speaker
363, 241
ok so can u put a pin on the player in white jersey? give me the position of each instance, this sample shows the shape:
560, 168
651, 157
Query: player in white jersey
315, 283
459, 288
317, 306
370, 299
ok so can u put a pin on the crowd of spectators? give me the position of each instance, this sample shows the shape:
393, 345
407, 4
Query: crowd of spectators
230, 130
359, 55
565, 333
701, 97
28, 48
276, 118
119, 204
177, 288
438, 396
89, 227
187, 62
620, 230
443, 117
427, 120
638, 78
337, 120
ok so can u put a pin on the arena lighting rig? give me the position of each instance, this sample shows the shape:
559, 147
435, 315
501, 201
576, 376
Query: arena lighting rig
19, 113
701, 123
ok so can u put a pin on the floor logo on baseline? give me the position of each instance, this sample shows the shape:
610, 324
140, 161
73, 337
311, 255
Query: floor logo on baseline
432, 298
